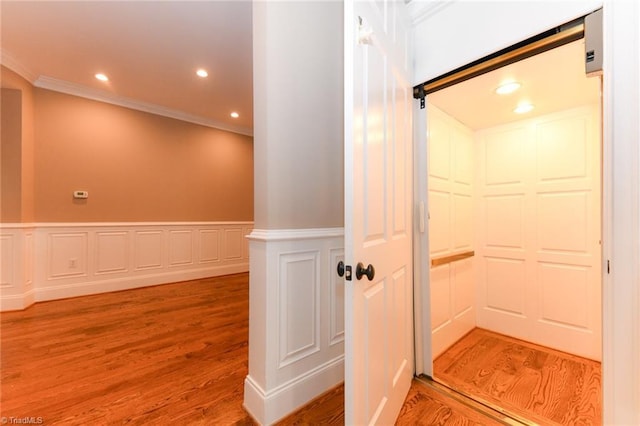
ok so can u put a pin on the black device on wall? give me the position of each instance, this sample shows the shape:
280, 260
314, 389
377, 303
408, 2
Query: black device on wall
593, 43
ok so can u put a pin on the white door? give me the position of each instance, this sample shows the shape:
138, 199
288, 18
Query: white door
378, 198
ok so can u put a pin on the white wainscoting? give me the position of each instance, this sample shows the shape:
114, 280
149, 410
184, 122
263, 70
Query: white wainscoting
54, 261
296, 323
17, 249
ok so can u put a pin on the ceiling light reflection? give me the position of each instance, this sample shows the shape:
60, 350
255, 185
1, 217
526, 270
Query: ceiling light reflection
523, 108
506, 88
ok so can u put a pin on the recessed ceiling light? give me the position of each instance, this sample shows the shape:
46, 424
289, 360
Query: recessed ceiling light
102, 77
234, 114
523, 108
202, 73
506, 88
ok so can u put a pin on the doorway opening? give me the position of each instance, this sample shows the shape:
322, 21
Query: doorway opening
514, 208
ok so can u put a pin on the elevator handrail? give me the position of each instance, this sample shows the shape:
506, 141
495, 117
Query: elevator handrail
439, 261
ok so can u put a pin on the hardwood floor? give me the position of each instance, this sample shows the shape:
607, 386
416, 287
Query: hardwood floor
162, 355
424, 405
327, 409
540, 384
158, 355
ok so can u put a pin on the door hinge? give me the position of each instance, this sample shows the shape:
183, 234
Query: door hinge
608, 267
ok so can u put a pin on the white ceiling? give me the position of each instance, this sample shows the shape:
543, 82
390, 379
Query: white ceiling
149, 50
551, 81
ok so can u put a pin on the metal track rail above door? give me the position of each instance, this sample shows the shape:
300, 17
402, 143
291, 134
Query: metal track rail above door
548, 40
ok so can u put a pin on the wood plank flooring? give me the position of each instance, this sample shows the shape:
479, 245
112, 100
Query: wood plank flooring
162, 355
424, 405
540, 384
158, 355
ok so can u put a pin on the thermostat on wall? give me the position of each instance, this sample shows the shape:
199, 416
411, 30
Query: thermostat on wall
80, 194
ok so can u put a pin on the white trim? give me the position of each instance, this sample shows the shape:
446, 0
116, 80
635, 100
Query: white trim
621, 216
17, 302
421, 264
17, 225
294, 234
60, 260
64, 291
254, 399
269, 407
9, 61
50, 83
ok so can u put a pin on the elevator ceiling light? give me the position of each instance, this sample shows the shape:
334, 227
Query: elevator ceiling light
506, 88
202, 73
523, 108
102, 77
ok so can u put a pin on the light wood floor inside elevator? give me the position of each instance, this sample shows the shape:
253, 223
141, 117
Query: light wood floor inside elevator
533, 382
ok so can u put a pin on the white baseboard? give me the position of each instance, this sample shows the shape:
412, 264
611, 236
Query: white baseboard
17, 302
48, 261
286, 398
119, 284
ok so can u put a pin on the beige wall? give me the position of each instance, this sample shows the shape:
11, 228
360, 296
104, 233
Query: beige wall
137, 167
17, 142
11, 153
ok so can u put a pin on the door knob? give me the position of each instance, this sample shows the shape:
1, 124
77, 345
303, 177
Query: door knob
369, 271
341, 268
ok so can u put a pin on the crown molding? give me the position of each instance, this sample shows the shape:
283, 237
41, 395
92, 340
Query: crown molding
50, 83
9, 61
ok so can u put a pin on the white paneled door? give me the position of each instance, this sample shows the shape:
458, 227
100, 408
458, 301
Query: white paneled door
378, 198
539, 230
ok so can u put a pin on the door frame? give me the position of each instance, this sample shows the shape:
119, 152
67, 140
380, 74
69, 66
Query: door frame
544, 41
424, 361
620, 222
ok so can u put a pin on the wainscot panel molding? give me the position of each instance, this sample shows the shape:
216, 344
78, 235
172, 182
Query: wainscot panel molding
48, 261
296, 319
17, 248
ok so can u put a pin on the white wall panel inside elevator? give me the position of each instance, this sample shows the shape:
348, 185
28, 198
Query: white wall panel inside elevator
538, 230
450, 228
532, 215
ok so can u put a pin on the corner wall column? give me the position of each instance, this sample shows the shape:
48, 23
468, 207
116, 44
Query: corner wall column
296, 324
